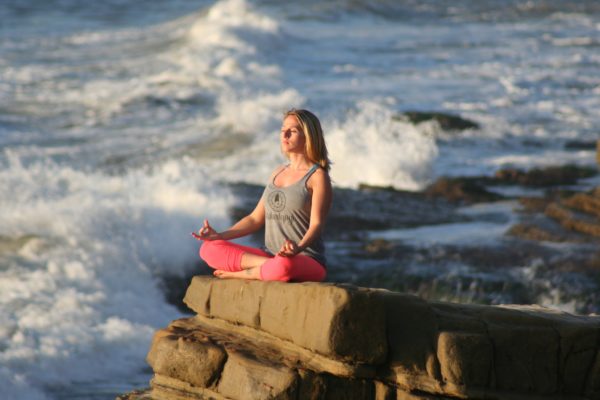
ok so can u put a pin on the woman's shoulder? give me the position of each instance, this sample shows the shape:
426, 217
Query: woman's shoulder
319, 176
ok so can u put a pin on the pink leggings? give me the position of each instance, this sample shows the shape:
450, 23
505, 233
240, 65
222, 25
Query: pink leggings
227, 256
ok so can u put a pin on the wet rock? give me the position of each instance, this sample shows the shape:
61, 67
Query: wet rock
534, 232
580, 145
374, 208
467, 190
560, 217
491, 273
574, 221
587, 203
534, 204
378, 247
549, 176
447, 122
143, 394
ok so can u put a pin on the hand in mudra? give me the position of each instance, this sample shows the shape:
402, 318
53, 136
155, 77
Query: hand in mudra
206, 232
289, 249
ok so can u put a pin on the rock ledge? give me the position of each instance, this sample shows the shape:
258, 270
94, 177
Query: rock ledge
271, 340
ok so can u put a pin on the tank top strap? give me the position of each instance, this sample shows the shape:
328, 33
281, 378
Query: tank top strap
309, 173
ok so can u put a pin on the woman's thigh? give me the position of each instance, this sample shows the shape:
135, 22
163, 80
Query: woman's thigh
299, 268
225, 255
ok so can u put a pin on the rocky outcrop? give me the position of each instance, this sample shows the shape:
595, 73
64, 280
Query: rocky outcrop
271, 340
466, 190
476, 189
547, 176
569, 218
446, 121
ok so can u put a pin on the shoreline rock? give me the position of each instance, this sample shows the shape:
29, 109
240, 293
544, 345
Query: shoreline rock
467, 190
475, 189
448, 122
544, 177
263, 340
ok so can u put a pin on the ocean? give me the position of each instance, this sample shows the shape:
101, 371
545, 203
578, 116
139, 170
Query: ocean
123, 125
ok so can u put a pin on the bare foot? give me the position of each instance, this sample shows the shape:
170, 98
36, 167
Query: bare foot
224, 274
250, 273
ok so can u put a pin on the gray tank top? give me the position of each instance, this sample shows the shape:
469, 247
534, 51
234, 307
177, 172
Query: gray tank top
288, 216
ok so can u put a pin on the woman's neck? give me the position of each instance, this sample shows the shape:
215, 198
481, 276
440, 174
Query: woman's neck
299, 162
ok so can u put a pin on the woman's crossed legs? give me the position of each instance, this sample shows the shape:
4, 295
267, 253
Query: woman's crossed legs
232, 260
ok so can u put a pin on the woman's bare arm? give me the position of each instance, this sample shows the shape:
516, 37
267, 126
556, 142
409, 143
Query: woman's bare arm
245, 226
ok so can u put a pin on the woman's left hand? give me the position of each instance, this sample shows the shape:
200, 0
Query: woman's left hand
289, 249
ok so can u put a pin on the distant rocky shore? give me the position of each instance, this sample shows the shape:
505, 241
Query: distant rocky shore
557, 228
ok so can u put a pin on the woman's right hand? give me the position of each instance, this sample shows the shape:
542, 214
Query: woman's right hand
207, 232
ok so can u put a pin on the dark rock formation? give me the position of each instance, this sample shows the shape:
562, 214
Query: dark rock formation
467, 190
475, 189
573, 218
580, 145
447, 122
548, 176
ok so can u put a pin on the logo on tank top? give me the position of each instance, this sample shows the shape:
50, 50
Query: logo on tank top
277, 200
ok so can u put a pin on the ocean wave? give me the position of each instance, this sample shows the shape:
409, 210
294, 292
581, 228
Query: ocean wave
80, 294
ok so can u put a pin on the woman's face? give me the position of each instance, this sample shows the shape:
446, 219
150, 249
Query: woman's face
292, 137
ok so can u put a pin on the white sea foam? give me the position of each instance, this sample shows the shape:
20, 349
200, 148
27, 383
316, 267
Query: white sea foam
492, 221
370, 147
455, 233
81, 299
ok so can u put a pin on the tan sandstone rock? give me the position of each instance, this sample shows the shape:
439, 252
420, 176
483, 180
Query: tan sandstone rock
465, 358
328, 319
247, 377
271, 340
188, 357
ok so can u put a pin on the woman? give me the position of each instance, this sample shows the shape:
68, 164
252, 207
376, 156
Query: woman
293, 207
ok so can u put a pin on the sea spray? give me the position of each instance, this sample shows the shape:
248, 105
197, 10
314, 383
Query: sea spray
79, 296
370, 147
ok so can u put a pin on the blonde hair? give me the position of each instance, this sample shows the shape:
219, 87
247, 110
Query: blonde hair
315, 147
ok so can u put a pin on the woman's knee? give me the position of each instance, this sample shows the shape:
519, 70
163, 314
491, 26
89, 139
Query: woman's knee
277, 269
209, 249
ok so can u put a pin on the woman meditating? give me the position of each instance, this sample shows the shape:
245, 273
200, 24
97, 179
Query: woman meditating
293, 209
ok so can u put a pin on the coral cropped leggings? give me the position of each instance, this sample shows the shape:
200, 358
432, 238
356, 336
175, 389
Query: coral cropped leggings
227, 256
